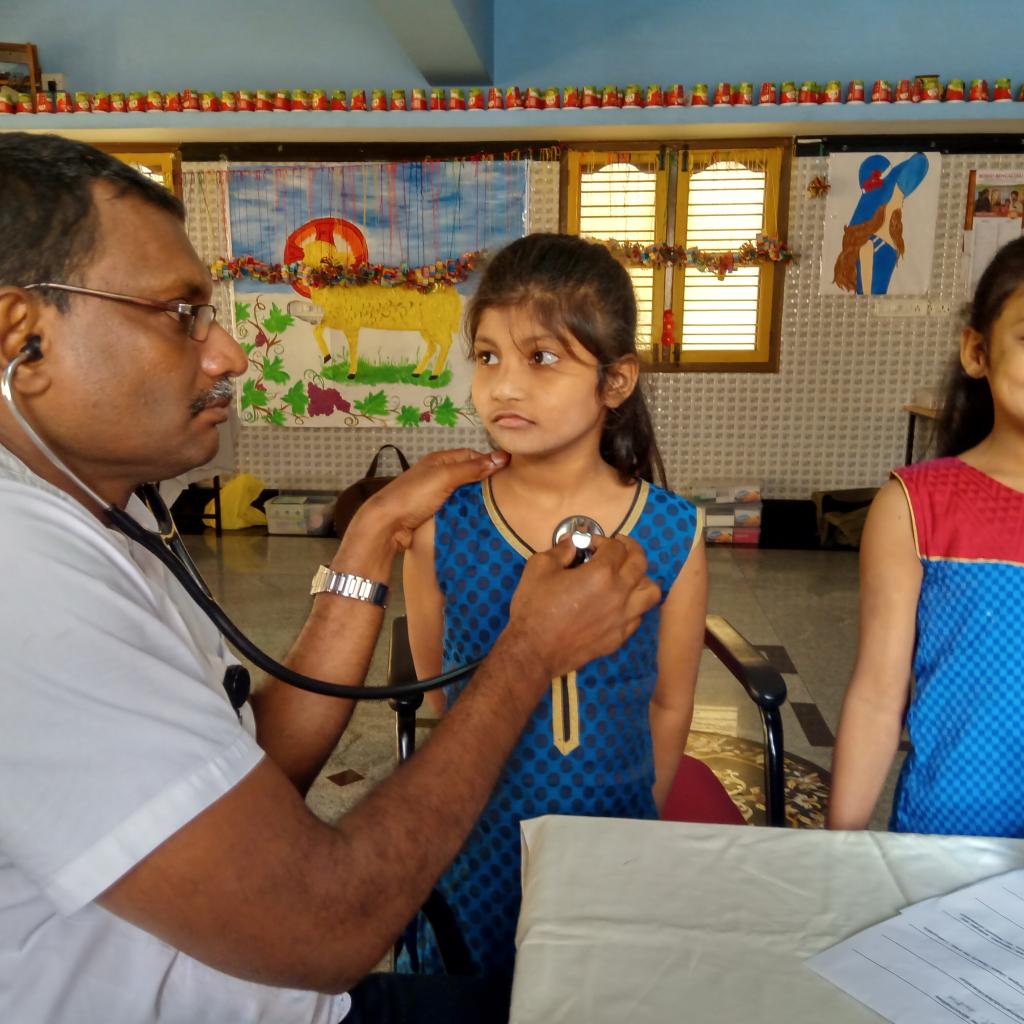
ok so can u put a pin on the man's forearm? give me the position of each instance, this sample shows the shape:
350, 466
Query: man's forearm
405, 833
299, 729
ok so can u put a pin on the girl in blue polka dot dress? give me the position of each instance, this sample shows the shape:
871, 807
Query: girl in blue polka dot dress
553, 329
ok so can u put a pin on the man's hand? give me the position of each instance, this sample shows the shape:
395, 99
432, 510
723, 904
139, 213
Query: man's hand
395, 511
568, 617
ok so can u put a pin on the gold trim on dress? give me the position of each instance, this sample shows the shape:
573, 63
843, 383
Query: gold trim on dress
973, 561
910, 505
636, 509
498, 521
565, 713
698, 530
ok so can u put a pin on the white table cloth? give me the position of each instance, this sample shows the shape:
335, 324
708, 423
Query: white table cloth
637, 921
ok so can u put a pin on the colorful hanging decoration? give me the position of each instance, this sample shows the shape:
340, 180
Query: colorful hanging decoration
762, 250
921, 89
441, 273
818, 187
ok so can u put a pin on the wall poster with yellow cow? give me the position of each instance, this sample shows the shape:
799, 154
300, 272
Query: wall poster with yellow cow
350, 280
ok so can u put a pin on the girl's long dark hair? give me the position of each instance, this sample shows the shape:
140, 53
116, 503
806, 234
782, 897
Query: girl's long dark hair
967, 415
578, 288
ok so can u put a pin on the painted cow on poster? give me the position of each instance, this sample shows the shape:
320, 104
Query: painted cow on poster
435, 315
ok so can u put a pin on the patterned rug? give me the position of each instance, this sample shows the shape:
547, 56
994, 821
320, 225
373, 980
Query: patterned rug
739, 766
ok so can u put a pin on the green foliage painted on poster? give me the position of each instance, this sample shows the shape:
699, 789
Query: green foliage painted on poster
297, 398
446, 414
277, 322
335, 371
273, 370
252, 396
374, 404
409, 416
242, 311
382, 373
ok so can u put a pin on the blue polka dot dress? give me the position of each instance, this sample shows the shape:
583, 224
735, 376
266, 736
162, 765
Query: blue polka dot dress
965, 769
587, 748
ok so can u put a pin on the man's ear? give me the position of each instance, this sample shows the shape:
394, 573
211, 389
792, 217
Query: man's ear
20, 327
620, 380
973, 357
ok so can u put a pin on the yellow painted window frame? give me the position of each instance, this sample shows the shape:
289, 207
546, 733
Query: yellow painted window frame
765, 356
654, 157
167, 162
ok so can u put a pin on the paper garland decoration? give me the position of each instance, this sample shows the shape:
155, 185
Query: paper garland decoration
818, 187
441, 273
762, 250
447, 273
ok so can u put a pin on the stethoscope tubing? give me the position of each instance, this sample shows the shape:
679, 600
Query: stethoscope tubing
183, 569
168, 548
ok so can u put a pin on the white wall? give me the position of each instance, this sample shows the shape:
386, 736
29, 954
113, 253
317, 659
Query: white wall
339, 44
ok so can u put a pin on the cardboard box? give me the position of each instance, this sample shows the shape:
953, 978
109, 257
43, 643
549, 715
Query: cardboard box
307, 515
726, 492
719, 519
748, 515
740, 492
704, 493
718, 535
747, 535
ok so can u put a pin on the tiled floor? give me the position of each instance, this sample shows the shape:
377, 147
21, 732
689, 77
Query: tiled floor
798, 607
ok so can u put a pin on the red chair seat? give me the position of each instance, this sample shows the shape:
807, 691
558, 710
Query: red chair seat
697, 795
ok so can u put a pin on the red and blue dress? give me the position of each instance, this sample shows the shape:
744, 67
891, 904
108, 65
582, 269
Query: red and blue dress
965, 770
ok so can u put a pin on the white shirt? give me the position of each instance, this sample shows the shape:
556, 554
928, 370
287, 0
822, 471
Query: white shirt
115, 731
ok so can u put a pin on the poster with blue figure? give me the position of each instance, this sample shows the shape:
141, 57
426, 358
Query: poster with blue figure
350, 281
880, 221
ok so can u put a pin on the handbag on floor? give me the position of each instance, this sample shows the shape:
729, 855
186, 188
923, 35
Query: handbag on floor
355, 494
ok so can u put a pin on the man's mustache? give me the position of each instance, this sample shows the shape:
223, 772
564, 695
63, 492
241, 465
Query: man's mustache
224, 388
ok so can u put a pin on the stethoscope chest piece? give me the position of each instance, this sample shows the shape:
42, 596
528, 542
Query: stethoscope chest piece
581, 529
236, 685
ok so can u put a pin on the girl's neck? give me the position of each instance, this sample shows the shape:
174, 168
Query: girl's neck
559, 477
1001, 454
535, 494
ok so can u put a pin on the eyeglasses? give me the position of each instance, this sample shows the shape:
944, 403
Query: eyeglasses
196, 320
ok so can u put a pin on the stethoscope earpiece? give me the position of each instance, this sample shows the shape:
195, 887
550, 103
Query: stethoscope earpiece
32, 349
582, 530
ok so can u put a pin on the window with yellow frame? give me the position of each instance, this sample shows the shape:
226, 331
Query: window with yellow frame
162, 167
712, 197
623, 195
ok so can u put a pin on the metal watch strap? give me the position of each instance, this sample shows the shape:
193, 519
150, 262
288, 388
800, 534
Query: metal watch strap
347, 584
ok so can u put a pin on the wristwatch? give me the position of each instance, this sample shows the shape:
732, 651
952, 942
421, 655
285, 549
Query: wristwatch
347, 584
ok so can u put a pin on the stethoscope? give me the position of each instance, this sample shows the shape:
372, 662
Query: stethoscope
166, 545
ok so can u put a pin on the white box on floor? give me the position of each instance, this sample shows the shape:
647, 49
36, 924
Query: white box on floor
719, 519
307, 515
719, 515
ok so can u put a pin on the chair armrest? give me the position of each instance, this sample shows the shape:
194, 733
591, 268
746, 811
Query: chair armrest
400, 664
763, 683
767, 689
